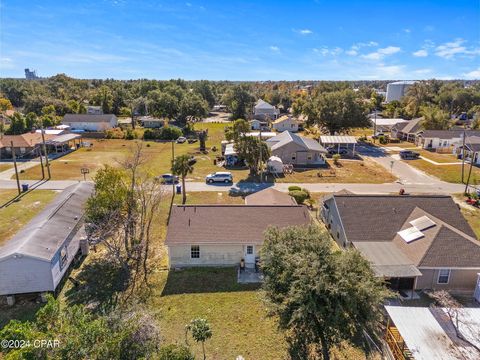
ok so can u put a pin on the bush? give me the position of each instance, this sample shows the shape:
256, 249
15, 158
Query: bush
383, 140
175, 352
294, 188
131, 134
336, 159
115, 133
165, 133
299, 195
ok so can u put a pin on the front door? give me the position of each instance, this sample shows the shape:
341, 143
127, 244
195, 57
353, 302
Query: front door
250, 255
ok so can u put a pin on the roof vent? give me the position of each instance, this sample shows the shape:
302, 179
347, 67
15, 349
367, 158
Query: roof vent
410, 234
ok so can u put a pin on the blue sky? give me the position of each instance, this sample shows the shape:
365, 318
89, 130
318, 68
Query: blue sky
242, 40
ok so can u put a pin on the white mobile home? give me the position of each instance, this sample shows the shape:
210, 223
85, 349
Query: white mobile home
38, 256
90, 122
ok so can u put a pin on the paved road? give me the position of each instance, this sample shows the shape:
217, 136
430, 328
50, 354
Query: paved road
410, 179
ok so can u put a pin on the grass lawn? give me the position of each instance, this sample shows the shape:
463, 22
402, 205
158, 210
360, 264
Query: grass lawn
440, 158
365, 171
21, 211
110, 151
471, 213
209, 197
5, 166
449, 173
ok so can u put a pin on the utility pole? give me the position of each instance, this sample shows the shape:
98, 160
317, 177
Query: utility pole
15, 166
463, 155
45, 152
41, 165
375, 125
173, 159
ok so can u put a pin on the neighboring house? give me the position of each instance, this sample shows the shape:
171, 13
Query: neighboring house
258, 125
264, 111
414, 242
87, 122
425, 333
269, 196
39, 255
223, 235
94, 110
296, 150
285, 123
385, 125
25, 146
150, 122
442, 139
406, 130
472, 149
397, 90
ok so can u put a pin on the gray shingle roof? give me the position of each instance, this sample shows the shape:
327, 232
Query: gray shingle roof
269, 196
87, 118
448, 134
412, 126
229, 224
287, 137
46, 232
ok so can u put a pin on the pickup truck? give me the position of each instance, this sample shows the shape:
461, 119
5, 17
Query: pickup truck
409, 155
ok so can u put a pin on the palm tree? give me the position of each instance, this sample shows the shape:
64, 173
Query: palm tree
181, 166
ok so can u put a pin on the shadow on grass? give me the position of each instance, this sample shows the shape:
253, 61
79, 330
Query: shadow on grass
98, 285
204, 280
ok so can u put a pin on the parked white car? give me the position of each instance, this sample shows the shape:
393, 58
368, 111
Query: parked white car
219, 176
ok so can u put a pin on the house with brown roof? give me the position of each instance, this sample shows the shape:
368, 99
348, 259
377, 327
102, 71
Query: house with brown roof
223, 235
414, 242
25, 146
269, 196
406, 130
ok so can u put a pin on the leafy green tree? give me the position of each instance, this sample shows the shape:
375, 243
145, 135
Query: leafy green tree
163, 105
239, 101
418, 95
238, 129
253, 151
5, 105
201, 332
18, 125
182, 165
192, 108
321, 296
175, 352
376, 101
103, 97
205, 89
337, 111
434, 118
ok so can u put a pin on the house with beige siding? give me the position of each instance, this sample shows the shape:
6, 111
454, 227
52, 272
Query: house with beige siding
415, 242
297, 150
285, 123
90, 122
223, 235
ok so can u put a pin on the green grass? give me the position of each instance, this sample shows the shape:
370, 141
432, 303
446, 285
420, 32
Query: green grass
471, 213
16, 214
448, 173
209, 197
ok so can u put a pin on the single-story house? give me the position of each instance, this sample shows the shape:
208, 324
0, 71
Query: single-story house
223, 235
297, 150
284, 123
442, 139
150, 122
472, 149
25, 146
406, 130
256, 124
52, 131
39, 255
384, 125
415, 242
424, 333
263, 111
262, 134
90, 122
269, 196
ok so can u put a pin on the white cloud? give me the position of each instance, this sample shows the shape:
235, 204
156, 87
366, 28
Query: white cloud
364, 44
381, 53
474, 74
351, 52
423, 71
274, 48
407, 31
420, 53
305, 31
451, 49
324, 51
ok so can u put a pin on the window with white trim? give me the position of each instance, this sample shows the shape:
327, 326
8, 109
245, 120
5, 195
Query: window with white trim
195, 252
249, 249
443, 276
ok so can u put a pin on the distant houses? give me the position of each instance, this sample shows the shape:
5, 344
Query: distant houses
90, 122
406, 130
285, 123
415, 242
37, 258
263, 111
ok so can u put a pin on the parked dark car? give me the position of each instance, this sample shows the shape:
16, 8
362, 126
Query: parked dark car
409, 155
192, 140
168, 179
335, 150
